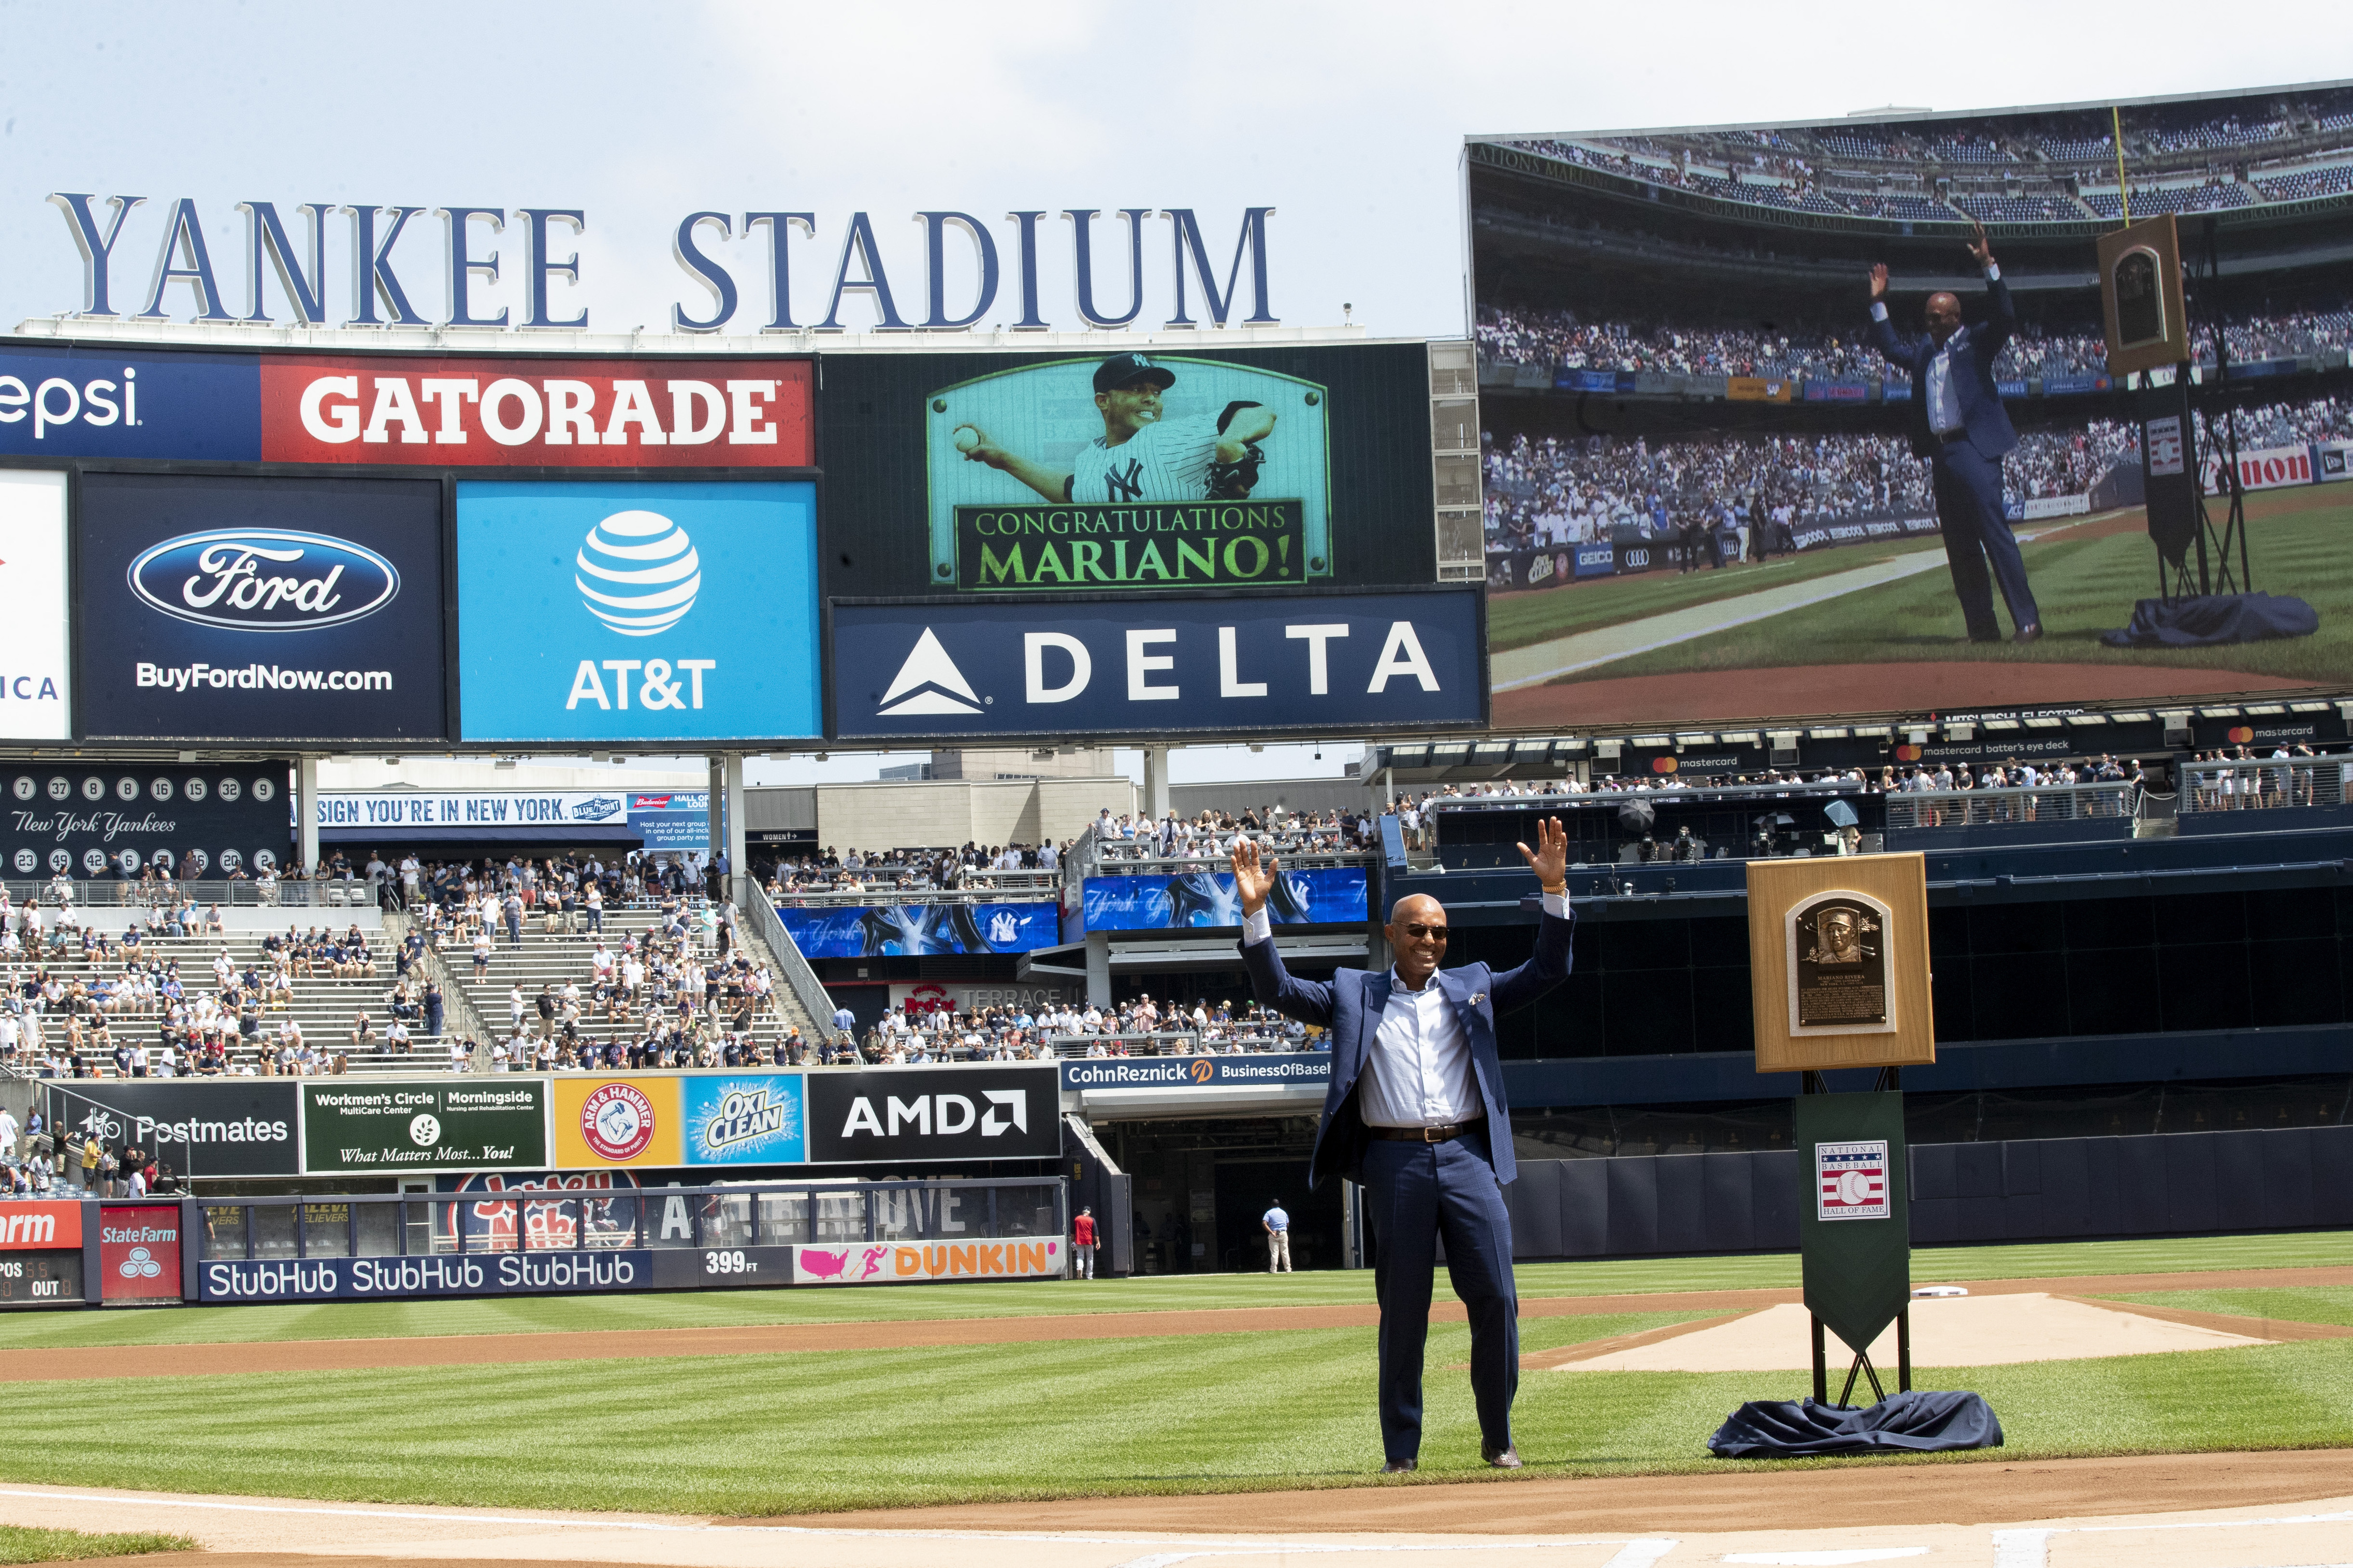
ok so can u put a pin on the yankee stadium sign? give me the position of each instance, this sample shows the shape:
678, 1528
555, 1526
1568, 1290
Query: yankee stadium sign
387, 273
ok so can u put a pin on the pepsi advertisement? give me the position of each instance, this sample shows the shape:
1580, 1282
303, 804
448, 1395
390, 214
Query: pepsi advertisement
655, 611
1322, 895
96, 402
258, 610
903, 929
1294, 663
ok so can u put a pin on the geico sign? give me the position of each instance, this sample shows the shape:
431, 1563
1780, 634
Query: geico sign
939, 1115
595, 413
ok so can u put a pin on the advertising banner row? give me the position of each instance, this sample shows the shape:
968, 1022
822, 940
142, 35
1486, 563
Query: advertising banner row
1061, 520
208, 1128
904, 930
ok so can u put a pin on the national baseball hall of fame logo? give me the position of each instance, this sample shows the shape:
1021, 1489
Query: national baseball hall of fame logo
617, 1121
1138, 472
1851, 1180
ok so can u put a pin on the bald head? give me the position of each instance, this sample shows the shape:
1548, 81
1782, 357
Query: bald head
1417, 907
1418, 938
1944, 315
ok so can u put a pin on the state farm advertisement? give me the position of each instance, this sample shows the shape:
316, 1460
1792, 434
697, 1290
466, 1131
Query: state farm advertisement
139, 1251
600, 414
40, 1226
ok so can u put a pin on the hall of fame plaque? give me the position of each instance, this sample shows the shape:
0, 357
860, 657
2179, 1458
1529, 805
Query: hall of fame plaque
1837, 965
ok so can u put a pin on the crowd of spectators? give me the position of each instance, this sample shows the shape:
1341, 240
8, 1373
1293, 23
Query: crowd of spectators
1768, 489
1140, 1027
1211, 835
974, 867
1842, 352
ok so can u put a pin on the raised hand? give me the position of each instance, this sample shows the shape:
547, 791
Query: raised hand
1980, 248
1879, 282
1549, 859
1253, 879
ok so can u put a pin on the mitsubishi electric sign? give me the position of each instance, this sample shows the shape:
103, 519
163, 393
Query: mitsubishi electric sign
636, 612
1410, 659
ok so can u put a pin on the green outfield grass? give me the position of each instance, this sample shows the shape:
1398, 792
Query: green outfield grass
1535, 615
2297, 1304
735, 1308
749, 1436
25, 1544
2084, 582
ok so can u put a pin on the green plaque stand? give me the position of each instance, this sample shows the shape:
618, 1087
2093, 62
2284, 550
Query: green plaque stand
1854, 1225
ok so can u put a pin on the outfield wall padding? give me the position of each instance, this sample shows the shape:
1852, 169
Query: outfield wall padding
2047, 1189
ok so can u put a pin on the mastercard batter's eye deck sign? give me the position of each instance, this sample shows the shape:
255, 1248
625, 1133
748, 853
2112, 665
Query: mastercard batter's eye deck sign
621, 612
1851, 1180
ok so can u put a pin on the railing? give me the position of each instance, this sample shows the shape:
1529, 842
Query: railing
753, 908
458, 1013
1221, 859
844, 898
565, 1219
2111, 802
119, 893
1160, 1043
2264, 783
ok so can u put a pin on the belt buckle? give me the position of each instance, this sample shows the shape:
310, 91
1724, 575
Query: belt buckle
1432, 1134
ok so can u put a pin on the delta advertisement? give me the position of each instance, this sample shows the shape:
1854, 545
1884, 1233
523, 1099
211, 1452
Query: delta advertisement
1319, 895
258, 610
906, 930
35, 690
189, 822
638, 612
1027, 668
1921, 380
1136, 472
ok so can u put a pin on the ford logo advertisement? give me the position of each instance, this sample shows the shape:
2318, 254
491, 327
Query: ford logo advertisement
220, 609
264, 580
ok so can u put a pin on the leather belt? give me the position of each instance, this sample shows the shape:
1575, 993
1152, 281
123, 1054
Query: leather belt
1443, 1132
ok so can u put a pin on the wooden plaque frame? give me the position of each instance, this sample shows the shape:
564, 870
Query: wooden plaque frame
2157, 244
1896, 883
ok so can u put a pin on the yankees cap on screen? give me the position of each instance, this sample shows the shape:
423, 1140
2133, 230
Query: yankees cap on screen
1120, 369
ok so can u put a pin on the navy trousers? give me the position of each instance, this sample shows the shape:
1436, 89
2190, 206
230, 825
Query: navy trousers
1415, 1193
1969, 514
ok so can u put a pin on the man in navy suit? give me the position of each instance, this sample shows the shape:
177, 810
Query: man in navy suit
1959, 426
1415, 1113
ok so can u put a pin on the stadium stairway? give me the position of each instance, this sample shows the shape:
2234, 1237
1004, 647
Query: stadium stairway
552, 959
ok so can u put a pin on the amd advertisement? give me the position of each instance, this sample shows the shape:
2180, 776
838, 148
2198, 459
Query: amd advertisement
1303, 663
653, 612
1144, 473
1320, 895
258, 610
1727, 354
922, 1113
192, 823
899, 929
196, 1128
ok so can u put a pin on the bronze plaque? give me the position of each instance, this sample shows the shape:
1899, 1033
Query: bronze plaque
1838, 964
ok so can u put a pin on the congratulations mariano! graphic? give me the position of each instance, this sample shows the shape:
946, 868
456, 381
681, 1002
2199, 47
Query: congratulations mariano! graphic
1140, 456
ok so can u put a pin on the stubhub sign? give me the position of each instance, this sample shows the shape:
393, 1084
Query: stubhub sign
636, 612
1408, 659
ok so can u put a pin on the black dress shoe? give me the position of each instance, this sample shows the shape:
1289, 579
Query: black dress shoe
1399, 1466
1507, 1458
2032, 632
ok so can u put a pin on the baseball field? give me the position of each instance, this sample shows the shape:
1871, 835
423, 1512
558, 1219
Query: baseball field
767, 1403
1876, 625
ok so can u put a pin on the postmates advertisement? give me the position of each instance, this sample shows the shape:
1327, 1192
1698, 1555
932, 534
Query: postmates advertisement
626, 1120
898, 1263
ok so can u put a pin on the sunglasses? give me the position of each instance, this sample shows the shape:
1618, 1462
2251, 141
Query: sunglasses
1419, 931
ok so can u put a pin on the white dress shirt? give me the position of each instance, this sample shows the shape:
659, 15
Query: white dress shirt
1943, 408
1417, 1072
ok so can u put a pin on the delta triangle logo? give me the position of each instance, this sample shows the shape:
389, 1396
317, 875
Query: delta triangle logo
929, 682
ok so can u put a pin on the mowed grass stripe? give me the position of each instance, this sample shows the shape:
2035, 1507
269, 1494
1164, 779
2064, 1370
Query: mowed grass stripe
2297, 1304
760, 1434
1183, 1293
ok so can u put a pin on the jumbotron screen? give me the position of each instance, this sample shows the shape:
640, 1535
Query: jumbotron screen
1718, 485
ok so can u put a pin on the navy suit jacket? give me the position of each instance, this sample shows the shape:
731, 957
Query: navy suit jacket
1982, 415
1351, 1007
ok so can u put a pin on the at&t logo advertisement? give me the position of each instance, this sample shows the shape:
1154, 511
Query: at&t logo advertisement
622, 612
744, 1121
